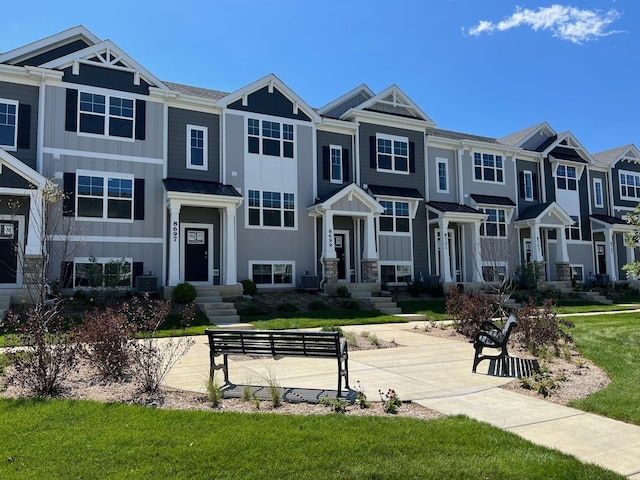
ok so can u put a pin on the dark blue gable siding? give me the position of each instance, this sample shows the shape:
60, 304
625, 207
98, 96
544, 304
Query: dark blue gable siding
276, 104
106, 78
53, 54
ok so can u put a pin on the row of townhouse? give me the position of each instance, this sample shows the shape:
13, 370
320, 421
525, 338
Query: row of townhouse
208, 187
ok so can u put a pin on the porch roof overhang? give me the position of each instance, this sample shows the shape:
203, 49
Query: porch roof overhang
604, 222
536, 215
349, 192
410, 195
31, 176
455, 212
201, 193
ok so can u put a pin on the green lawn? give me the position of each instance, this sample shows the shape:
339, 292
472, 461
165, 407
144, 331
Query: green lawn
320, 318
586, 307
613, 343
86, 440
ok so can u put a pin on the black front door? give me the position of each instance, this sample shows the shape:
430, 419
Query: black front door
196, 255
8, 252
602, 258
341, 254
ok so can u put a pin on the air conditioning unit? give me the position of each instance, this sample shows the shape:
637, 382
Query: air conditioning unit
309, 282
146, 284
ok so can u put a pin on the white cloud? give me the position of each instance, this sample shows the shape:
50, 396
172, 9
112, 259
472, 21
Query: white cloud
565, 22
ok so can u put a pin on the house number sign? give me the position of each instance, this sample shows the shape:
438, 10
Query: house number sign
174, 231
330, 239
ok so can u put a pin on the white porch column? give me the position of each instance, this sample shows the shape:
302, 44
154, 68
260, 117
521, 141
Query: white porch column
609, 251
328, 244
174, 244
631, 256
230, 247
36, 228
477, 277
445, 262
562, 255
536, 244
370, 250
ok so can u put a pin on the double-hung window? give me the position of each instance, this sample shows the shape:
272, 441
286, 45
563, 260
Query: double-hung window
630, 186
272, 273
598, 198
392, 153
496, 223
336, 163
572, 232
488, 167
8, 124
104, 196
443, 175
197, 147
106, 115
528, 185
271, 209
270, 138
566, 177
395, 217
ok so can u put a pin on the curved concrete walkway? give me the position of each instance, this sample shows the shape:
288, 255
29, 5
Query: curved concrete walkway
436, 373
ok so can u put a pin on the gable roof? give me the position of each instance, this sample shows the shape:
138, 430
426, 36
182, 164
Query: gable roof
629, 153
542, 209
107, 54
22, 169
52, 42
196, 91
271, 81
362, 90
329, 199
566, 141
519, 138
391, 101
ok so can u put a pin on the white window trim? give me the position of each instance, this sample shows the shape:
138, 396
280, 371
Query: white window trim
528, 173
572, 227
445, 162
393, 138
282, 210
410, 217
267, 118
577, 265
596, 203
508, 213
205, 147
495, 264
339, 149
396, 264
272, 263
567, 177
105, 197
102, 261
627, 197
495, 169
107, 96
14, 147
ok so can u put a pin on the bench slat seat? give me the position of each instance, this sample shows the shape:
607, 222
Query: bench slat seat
278, 344
492, 336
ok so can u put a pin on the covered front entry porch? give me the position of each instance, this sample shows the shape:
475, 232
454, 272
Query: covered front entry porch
611, 251
346, 247
202, 232
454, 245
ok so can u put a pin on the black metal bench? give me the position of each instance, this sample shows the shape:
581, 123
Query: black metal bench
492, 336
277, 344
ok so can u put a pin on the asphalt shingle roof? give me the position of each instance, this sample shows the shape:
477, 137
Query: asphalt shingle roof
609, 219
437, 132
533, 211
196, 91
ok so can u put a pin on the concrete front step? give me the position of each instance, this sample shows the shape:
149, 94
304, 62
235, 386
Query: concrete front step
390, 310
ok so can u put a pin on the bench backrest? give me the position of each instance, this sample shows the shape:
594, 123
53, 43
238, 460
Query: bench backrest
274, 343
512, 322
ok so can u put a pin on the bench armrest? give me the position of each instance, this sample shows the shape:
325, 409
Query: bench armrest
483, 337
487, 326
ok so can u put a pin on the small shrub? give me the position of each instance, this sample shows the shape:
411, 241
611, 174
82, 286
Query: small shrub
214, 392
390, 401
350, 305
543, 382
468, 310
415, 288
337, 405
343, 292
361, 398
275, 392
249, 287
351, 338
184, 293
373, 339
286, 307
333, 328
318, 305
540, 330
246, 393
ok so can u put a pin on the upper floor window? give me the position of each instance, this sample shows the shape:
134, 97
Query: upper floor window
528, 185
572, 232
598, 199
104, 196
336, 164
197, 155
566, 177
270, 138
488, 167
106, 115
443, 175
8, 124
392, 153
395, 217
496, 223
630, 185
271, 209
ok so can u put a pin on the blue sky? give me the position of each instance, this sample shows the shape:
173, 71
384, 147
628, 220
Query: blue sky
487, 67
